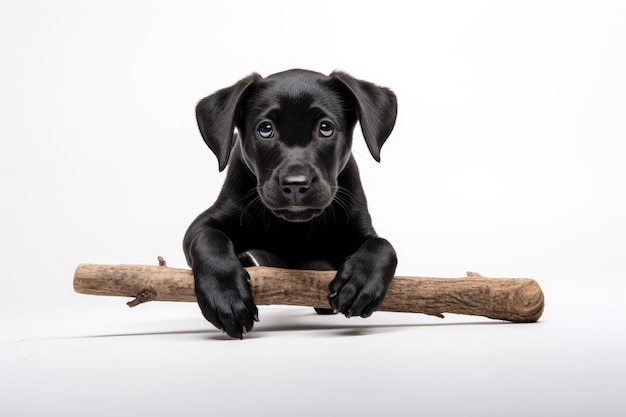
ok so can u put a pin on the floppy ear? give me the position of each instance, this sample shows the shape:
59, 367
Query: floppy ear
216, 118
376, 109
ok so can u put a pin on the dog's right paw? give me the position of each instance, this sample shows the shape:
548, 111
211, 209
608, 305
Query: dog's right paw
227, 303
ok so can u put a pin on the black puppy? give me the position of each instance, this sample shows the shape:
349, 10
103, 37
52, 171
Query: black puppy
292, 197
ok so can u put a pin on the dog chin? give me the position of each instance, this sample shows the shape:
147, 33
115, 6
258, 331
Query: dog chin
297, 214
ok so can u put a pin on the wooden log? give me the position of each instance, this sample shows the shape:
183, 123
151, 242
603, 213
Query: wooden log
511, 299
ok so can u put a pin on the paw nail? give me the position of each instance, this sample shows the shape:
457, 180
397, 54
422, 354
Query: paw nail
256, 317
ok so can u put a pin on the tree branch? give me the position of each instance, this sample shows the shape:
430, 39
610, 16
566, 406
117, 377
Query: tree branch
511, 299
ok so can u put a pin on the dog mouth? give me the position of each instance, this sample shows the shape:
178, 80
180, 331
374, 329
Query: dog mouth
297, 214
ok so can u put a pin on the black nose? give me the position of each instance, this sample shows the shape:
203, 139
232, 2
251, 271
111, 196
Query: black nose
295, 186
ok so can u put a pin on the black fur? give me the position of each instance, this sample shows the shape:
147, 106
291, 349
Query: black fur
292, 196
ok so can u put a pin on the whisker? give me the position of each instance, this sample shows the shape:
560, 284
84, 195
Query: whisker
251, 205
345, 200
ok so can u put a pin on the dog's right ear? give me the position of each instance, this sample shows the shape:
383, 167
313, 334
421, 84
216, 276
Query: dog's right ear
216, 118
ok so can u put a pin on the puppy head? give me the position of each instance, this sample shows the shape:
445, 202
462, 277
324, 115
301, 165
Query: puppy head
295, 131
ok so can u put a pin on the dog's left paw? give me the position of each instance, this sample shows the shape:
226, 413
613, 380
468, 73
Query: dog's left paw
362, 280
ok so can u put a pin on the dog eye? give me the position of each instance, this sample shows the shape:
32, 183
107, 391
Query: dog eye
266, 130
326, 129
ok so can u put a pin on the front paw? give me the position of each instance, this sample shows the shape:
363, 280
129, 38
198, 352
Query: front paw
226, 301
363, 279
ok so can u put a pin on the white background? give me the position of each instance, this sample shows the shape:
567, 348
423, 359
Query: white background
507, 159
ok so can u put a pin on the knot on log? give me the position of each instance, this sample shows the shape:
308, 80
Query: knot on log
147, 294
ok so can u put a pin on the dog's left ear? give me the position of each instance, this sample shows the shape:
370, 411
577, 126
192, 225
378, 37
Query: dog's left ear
376, 108
216, 118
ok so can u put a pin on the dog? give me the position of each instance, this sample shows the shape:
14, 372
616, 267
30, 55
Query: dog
292, 196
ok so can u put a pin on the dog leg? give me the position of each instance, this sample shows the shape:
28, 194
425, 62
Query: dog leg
362, 280
222, 284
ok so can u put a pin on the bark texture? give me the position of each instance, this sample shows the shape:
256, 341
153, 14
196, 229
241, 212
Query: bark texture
511, 299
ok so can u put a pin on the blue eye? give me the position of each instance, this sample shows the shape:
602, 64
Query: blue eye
326, 129
265, 130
